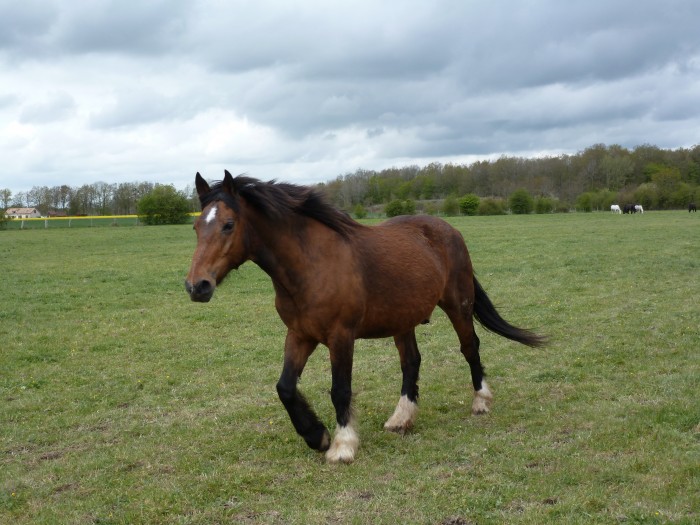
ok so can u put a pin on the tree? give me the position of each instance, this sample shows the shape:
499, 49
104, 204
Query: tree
616, 171
521, 202
469, 204
647, 195
667, 180
5, 198
163, 205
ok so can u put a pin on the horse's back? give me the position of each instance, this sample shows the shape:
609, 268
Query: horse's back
420, 241
407, 264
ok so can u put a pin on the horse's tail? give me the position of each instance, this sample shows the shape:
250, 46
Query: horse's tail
486, 313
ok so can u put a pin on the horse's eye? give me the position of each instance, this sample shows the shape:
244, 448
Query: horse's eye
228, 227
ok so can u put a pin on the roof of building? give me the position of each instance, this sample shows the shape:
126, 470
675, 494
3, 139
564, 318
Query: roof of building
21, 211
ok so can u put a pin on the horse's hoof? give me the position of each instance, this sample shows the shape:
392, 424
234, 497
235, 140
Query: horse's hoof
397, 429
401, 421
482, 398
325, 441
479, 408
337, 455
344, 446
319, 440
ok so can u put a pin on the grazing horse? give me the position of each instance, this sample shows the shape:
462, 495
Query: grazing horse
692, 207
615, 208
628, 208
638, 208
335, 281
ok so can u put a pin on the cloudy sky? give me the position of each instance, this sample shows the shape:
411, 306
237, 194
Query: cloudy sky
304, 91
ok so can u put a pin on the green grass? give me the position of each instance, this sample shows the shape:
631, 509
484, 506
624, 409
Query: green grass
123, 402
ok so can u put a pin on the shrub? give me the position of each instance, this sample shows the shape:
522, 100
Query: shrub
450, 206
544, 205
359, 211
584, 202
521, 202
562, 207
400, 207
163, 205
647, 195
469, 204
409, 207
430, 208
491, 206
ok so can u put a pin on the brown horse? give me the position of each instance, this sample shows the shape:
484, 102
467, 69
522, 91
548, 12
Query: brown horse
335, 281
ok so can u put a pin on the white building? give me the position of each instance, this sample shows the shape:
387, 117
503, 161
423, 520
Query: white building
22, 213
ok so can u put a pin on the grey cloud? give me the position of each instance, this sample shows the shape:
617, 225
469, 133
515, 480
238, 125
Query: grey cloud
57, 107
48, 28
131, 28
409, 79
8, 100
24, 25
364, 70
144, 106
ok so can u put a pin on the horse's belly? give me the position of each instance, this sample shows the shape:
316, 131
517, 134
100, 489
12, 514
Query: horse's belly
393, 318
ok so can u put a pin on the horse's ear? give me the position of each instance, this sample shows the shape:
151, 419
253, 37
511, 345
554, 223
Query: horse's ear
228, 184
201, 185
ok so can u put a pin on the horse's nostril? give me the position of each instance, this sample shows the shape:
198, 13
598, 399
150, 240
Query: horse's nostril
201, 291
203, 287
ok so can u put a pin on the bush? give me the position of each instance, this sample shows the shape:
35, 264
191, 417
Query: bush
491, 206
647, 195
450, 206
430, 208
544, 205
359, 211
584, 202
469, 204
163, 205
399, 207
409, 207
521, 202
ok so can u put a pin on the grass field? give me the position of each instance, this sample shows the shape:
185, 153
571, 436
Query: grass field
123, 402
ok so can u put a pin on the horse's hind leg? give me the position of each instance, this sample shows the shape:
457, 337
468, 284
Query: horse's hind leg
405, 414
463, 323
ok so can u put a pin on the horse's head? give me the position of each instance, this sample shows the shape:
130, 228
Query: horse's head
220, 238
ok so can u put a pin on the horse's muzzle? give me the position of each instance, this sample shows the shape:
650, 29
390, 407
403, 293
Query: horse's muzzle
201, 291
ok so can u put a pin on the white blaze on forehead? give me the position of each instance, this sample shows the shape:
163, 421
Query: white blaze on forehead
211, 215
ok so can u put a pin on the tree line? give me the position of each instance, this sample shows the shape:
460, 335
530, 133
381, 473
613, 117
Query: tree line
592, 179
99, 198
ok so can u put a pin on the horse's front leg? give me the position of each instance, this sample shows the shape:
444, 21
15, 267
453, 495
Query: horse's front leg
346, 441
296, 353
404, 416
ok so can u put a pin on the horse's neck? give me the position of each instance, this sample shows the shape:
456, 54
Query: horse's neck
284, 252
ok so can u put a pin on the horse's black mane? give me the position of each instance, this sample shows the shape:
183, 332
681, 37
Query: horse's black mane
279, 200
